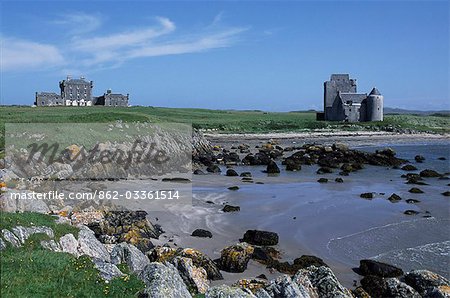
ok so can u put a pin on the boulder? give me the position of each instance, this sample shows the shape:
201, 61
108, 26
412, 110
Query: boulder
224, 291
202, 233
198, 172
377, 286
339, 180
415, 190
90, 246
409, 168
213, 169
246, 174
253, 284
235, 187
108, 271
161, 254
424, 280
367, 195
419, 158
163, 281
324, 170
265, 254
438, 292
394, 198
230, 208
322, 180
235, 258
305, 261
301, 278
359, 292
446, 193
292, 165
272, 168
257, 237
129, 254
23, 233
199, 259
326, 283
429, 173
69, 244
195, 278
11, 238
283, 286
231, 173
371, 267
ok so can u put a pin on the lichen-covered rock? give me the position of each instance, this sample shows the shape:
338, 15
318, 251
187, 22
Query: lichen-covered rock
201, 260
69, 244
51, 245
163, 281
437, 292
359, 292
377, 286
326, 283
371, 267
11, 238
161, 254
106, 270
423, 280
253, 284
301, 278
195, 278
235, 258
90, 246
257, 237
224, 291
129, 254
283, 286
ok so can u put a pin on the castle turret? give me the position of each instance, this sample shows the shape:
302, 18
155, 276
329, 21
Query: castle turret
374, 106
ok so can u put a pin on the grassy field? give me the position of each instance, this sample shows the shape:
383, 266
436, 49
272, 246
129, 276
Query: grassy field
31, 271
226, 121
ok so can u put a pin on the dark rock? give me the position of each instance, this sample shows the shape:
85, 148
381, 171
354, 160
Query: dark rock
324, 170
199, 172
409, 168
233, 187
415, 190
419, 158
371, 267
412, 201
424, 280
442, 158
246, 174
446, 193
235, 258
231, 173
377, 286
262, 276
230, 208
292, 165
272, 168
322, 180
257, 237
394, 198
387, 151
265, 254
339, 180
213, 169
367, 195
411, 212
202, 233
429, 173
305, 261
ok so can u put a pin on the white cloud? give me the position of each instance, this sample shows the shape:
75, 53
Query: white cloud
23, 54
79, 22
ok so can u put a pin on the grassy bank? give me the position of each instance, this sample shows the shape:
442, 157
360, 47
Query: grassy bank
221, 120
31, 271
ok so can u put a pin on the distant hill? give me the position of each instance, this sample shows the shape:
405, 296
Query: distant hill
445, 113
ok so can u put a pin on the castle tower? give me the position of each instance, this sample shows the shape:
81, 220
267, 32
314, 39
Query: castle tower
374, 106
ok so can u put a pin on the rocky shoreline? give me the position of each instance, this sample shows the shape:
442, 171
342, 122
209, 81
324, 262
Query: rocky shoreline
110, 237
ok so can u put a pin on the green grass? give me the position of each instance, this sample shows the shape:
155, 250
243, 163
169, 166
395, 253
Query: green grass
28, 219
226, 121
31, 271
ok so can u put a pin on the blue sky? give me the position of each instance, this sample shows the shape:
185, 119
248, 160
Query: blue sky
228, 55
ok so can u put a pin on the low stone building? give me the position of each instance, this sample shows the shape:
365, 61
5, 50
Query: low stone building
78, 92
343, 103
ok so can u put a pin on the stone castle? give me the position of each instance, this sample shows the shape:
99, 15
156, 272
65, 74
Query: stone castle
342, 102
78, 92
